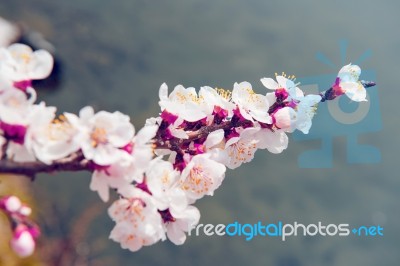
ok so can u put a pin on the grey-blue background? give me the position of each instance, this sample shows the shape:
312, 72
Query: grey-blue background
115, 55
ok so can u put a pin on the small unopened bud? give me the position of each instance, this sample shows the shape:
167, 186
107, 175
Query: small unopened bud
11, 204
284, 118
25, 210
22, 242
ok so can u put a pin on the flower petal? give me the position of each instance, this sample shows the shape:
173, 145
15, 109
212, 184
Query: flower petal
42, 64
269, 83
214, 138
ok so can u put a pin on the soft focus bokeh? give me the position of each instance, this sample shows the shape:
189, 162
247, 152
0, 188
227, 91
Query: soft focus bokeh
114, 55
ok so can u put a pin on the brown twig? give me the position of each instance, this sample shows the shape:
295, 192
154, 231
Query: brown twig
75, 162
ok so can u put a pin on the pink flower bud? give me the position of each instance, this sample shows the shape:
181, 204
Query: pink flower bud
284, 117
25, 210
11, 203
22, 242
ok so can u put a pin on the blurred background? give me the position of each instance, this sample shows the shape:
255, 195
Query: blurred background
114, 55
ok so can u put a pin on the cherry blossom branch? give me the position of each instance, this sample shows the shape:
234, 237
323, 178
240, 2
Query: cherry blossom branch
77, 162
202, 133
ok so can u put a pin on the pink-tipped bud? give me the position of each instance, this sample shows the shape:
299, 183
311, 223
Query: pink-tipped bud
25, 210
284, 118
22, 242
11, 203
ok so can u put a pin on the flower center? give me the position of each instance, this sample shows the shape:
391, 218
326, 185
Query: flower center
137, 207
360, 87
252, 97
167, 216
197, 99
14, 102
227, 95
165, 179
60, 128
181, 97
23, 56
198, 181
241, 152
98, 136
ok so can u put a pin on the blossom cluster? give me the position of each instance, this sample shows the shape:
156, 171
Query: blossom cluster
175, 159
24, 231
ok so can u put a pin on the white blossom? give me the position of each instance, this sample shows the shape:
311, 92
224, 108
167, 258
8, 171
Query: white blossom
349, 82
201, 176
37, 117
238, 150
252, 106
216, 98
182, 102
130, 167
15, 107
305, 106
114, 176
281, 83
138, 222
103, 135
55, 139
19, 63
162, 182
184, 221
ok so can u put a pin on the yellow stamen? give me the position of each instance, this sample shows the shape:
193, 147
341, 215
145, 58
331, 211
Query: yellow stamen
98, 136
224, 93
